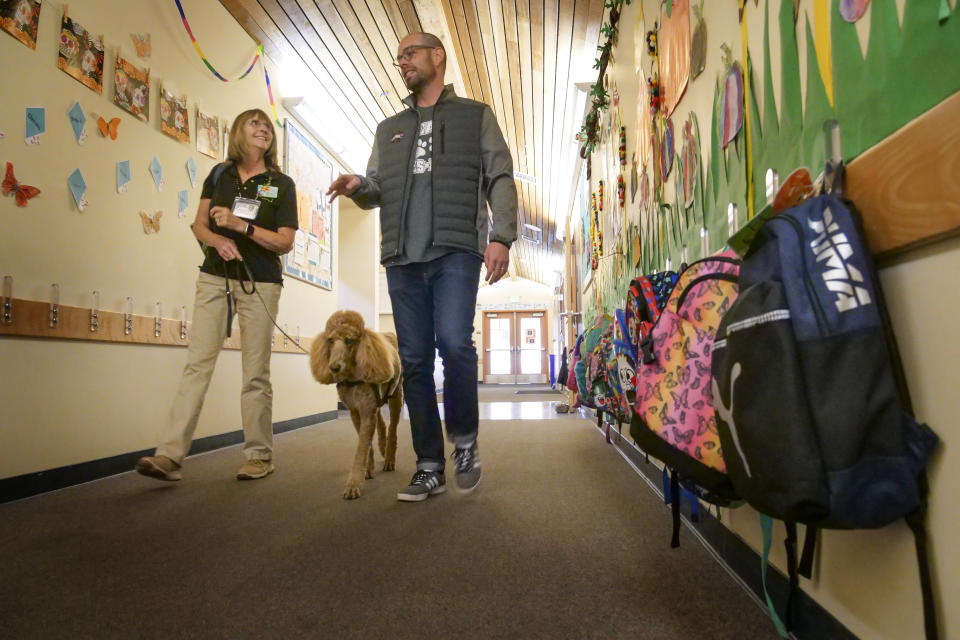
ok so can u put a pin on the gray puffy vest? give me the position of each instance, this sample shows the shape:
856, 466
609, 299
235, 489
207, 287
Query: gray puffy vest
456, 174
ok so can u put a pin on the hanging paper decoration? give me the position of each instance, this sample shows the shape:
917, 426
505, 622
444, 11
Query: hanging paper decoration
657, 158
600, 194
633, 177
644, 189
638, 40
853, 10
21, 192
173, 116
131, 89
151, 224
273, 105
642, 124
698, 43
109, 129
596, 240
196, 45
141, 41
621, 191
667, 149
731, 116
623, 146
674, 45
80, 55
78, 187
653, 88
688, 163
651, 39
21, 20
208, 134
78, 121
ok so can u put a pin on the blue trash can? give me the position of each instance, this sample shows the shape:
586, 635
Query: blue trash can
553, 369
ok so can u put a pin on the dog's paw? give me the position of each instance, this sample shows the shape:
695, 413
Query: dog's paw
351, 493
389, 465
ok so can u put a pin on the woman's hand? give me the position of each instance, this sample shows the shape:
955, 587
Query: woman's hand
225, 219
226, 247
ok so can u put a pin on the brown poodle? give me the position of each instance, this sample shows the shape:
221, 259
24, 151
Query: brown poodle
365, 365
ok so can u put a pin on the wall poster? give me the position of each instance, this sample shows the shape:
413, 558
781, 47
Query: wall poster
311, 170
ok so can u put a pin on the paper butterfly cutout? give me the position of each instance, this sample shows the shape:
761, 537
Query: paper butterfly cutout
21, 192
151, 224
142, 42
108, 128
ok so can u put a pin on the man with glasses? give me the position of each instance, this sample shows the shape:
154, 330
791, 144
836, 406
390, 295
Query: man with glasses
434, 169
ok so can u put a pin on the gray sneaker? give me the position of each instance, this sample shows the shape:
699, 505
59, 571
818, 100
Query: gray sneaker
423, 485
467, 463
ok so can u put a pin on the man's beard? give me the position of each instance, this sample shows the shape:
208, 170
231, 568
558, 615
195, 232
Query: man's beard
417, 81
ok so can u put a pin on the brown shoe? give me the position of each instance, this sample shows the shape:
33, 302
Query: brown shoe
254, 469
159, 467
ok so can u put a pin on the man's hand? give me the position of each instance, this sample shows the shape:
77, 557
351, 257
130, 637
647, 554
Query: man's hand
344, 185
497, 259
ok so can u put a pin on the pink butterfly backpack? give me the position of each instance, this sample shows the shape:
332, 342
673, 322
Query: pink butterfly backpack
674, 419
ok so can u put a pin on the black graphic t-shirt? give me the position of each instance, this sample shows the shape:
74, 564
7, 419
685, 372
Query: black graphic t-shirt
418, 233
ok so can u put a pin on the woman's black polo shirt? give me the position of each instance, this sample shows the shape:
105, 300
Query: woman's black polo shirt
276, 212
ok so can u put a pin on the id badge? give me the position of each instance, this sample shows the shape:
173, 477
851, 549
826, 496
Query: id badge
245, 208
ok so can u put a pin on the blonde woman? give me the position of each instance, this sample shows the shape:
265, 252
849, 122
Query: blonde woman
246, 220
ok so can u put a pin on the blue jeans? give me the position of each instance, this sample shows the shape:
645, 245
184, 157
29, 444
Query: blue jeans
433, 308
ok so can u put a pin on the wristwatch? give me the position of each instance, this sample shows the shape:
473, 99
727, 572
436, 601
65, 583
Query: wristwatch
249, 229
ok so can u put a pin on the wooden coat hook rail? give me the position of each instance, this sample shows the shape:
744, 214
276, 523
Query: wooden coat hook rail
31, 318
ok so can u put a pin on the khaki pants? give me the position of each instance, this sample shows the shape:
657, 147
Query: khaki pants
207, 333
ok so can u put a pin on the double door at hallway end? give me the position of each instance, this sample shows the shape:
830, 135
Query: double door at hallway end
514, 347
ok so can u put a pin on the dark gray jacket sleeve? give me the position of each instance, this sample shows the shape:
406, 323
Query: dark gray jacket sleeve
367, 195
498, 182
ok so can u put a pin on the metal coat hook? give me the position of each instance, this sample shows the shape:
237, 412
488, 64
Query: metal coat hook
298, 335
733, 224
157, 320
704, 243
54, 305
833, 170
284, 336
95, 312
183, 322
128, 317
684, 255
7, 299
773, 185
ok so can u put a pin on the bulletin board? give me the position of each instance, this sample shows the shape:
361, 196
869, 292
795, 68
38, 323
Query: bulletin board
312, 257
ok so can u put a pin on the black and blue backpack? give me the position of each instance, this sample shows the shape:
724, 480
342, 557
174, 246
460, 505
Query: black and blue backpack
812, 406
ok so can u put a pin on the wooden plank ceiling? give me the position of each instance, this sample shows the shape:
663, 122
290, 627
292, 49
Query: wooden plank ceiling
519, 56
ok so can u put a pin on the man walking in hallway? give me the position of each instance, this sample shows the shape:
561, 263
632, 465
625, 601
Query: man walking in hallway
433, 170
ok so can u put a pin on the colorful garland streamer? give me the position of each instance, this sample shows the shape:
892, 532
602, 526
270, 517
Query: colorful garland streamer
273, 105
186, 25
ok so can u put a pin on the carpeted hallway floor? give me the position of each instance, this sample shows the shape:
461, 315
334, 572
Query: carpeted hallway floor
561, 540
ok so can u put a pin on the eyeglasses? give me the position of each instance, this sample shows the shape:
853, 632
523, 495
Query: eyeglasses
407, 53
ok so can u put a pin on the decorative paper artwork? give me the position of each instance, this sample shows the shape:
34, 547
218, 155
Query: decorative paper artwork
123, 176
795, 189
731, 105
78, 121
853, 10
688, 162
131, 89
208, 135
157, 172
667, 149
81, 55
108, 129
638, 41
633, 177
21, 192
674, 49
643, 125
698, 43
174, 120
21, 19
183, 201
312, 171
141, 41
78, 187
192, 171
35, 124
151, 224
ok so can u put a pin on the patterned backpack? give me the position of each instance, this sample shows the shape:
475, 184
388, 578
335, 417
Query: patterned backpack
674, 419
646, 297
